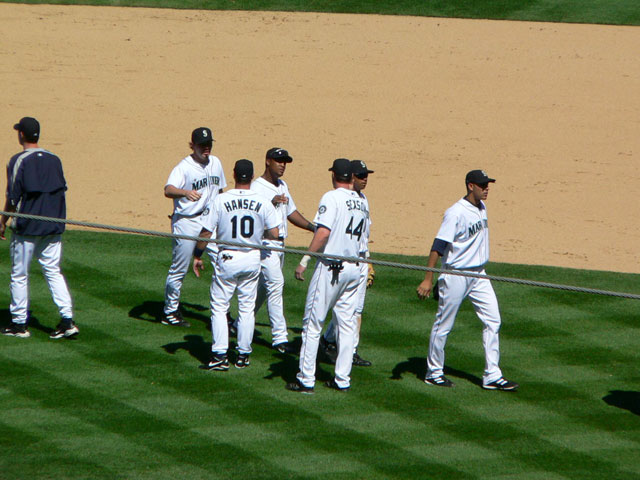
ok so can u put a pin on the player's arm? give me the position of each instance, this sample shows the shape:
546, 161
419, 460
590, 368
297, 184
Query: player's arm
8, 207
299, 221
271, 233
171, 191
319, 241
437, 250
201, 245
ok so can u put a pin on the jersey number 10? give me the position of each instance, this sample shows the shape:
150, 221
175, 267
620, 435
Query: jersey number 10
246, 226
357, 232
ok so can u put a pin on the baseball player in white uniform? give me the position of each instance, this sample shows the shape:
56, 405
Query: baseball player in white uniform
328, 340
271, 186
463, 244
341, 220
243, 216
192, 184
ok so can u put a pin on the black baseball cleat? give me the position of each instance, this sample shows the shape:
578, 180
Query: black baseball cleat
440, 381
243, 360
218, 362
298, 387
175, 319
282, 347
19, 330
358, 361
333, 385
65, 329
502, 384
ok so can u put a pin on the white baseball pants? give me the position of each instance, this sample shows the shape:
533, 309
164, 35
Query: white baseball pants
329, 290
234, 271
48, 250
453, 289
330, 333
270, 287
181, 259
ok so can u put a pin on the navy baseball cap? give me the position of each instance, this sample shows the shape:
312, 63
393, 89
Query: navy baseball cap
30, 128
358, 167
341, 168
201, 136
478, 176
243, 169
279, 154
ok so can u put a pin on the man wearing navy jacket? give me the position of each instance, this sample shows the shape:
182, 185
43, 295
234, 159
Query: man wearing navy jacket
36, 186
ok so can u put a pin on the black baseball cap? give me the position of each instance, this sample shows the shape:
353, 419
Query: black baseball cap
341, 168
358, 167
201, 136
243, 169
30, 128
280, 154
477, 177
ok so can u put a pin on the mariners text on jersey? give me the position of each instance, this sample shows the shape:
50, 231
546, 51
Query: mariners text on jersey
476, 227
204, 182
357, 205
243, 204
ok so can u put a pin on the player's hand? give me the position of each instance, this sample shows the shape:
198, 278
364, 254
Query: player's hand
193, 195
424, 289
198, 266
370, 276
300, 272
279, 199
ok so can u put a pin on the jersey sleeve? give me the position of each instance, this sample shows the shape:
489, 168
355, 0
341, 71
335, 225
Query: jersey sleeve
270, 217
223, 180
449, 227
209, 220
176, 177
327, 210
291, 206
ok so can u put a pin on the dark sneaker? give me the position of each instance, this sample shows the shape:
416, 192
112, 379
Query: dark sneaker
358, 361
175, 319
242, 361
65, 329
282, 347
502, 384
332, 384
329, 349
16, 330
440, 381
217, 362
298, 387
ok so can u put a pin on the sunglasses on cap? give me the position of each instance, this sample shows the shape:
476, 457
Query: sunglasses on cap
362, 176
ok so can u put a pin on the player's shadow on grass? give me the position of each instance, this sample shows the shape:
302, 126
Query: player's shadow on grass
151, 311
288, 365
624, 399
33, 322
194, 345
418, 367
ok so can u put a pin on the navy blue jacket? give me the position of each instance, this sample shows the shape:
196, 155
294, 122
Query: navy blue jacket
36, 186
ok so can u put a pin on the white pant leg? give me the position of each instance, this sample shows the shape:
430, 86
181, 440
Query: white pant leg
181, 259
21, 249
452, 290
321, 296
247, 290
330, 332
485, 303
49, 254
222, 288
346, 322
271, 286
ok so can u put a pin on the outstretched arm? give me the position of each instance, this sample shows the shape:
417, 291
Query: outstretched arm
299, 221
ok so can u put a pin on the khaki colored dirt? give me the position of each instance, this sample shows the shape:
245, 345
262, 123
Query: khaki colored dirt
550, 110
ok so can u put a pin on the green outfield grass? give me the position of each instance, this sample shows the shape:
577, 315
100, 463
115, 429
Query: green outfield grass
622, 12
127, 400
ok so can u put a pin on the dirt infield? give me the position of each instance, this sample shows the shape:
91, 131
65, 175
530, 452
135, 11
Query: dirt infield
550, 110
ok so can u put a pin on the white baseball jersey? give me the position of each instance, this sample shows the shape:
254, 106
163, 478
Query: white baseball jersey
207, 180
268, 190
466, 229
364, 239
240, 216
343, 211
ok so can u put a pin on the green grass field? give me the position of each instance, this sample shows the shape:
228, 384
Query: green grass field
127, 399
620, 12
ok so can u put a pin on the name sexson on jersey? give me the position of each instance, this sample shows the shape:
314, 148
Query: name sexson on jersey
346, 214
466, 228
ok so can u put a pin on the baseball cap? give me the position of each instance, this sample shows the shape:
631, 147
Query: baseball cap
358, 167
276, 153
243, 169
478, 176
201, 135
29, 127
342, 168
